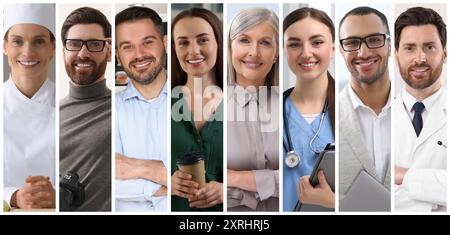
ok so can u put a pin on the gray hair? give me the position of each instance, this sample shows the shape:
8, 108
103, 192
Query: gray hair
244, 21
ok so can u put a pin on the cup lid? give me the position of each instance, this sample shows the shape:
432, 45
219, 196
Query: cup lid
190, 158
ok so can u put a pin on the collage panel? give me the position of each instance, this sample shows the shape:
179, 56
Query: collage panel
141, 108
364, 107
308, 108
85, 108
253, 107
420, 107
29, 158
197, 107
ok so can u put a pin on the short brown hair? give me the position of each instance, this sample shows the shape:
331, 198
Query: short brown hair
420, 16
86, 15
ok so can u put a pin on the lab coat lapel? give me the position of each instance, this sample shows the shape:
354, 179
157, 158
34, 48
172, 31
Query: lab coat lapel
437, 118
351, 130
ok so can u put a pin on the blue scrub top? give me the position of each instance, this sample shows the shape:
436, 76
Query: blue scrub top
301, 133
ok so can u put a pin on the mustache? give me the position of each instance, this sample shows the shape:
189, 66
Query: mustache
84, 61
422, 64
140, 59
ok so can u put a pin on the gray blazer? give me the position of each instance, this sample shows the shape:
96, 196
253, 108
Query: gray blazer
353, 154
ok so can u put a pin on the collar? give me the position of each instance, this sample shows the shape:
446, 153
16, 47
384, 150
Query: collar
410, 100
45, 94
357, 102
96, 89
131, 92
243, 96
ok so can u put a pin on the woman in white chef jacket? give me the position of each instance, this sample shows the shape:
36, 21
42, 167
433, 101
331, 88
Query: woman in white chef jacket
29, 106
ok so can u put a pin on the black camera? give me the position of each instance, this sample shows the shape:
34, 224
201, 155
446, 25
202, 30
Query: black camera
71, 191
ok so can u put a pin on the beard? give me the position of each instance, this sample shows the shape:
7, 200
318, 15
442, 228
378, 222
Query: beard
421, 83
86, 78
369, 80
149, 76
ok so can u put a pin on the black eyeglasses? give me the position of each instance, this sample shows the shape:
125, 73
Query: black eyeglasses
77, 44
372, 42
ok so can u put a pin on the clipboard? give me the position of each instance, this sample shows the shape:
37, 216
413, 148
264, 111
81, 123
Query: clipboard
326, 163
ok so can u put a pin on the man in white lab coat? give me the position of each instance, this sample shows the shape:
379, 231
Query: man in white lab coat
420, 112
29, 106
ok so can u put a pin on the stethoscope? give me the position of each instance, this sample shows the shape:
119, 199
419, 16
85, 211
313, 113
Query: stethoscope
292, 158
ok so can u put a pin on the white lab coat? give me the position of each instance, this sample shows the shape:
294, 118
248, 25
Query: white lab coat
424, 185
29, 135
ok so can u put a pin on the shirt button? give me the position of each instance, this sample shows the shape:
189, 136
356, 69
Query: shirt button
198, 140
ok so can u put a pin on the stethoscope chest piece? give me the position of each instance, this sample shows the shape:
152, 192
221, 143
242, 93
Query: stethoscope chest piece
292, 159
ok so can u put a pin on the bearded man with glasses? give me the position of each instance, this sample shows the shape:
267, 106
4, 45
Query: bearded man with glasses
85, 114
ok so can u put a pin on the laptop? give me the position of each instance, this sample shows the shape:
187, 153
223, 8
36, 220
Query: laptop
366, 194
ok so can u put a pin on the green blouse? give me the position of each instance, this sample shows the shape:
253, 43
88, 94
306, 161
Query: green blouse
186, 138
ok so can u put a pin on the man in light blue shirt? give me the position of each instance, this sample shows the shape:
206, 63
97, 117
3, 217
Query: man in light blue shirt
141, 112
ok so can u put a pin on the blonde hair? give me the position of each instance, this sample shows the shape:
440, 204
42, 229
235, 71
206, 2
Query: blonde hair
243, 21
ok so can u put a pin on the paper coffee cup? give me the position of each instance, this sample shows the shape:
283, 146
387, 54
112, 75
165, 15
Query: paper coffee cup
194, 164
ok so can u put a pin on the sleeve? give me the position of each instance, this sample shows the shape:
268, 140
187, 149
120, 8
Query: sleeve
119, 147
266, 183
426, 185
8, 191
137, 190
238, 197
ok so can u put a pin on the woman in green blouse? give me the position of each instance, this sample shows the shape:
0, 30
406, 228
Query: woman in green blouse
197, 108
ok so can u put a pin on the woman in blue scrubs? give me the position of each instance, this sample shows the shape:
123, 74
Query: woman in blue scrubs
309, 106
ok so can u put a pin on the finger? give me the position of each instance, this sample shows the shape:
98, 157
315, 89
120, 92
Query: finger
45, 204
181, 194
43, 195
186, 190
183, 175
43, 183
322, 179
208, 205
31, 179
189, 183
197, 203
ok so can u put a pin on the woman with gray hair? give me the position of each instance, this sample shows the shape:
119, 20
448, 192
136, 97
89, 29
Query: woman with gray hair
253, 111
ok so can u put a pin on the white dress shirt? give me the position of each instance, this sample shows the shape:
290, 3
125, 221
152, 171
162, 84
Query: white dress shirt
376, 131
409, 102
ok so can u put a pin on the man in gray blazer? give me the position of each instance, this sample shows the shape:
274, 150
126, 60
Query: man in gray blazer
364, 109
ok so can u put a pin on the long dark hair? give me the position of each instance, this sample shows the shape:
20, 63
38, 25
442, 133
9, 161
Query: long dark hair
323, 18
179, 77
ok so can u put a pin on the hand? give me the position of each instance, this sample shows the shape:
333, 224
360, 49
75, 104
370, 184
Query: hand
244, 180
183, 185
320, 195
161, 192
36, 193
208, 196
400, 173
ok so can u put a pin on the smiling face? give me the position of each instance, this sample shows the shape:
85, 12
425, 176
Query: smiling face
365, 65
140, 50
309, 48
420, 56
85, 67
253, 54
195, 46
29, 50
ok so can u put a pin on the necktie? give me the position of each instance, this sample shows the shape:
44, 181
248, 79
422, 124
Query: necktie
418, 108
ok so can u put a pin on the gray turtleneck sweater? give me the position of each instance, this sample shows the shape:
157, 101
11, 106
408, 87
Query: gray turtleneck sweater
85, 142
